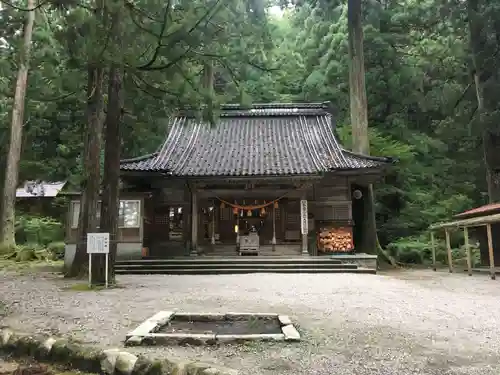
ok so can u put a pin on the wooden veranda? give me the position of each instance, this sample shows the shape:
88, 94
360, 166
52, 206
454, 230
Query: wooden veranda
465, 224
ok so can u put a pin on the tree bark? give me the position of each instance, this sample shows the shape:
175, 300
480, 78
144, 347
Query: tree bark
484, 77
7, 232
359, 122
112, 150
87, 221
357, 86
111, 181
359, 115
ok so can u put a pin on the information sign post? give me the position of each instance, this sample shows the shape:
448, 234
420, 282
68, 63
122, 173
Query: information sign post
98, 243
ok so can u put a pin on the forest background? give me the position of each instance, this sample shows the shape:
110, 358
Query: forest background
431, 66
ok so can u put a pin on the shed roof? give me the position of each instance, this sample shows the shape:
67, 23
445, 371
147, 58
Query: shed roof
37, 189
479, 211
266, 139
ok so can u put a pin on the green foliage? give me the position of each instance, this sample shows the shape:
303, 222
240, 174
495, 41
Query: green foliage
38, 230
56, 249
30, 252
418, 250
421, 97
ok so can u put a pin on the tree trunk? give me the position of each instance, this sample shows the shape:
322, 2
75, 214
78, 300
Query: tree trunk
357, 89
359, 121
7, 233
484, 77
111, 181
87, 221
359, 115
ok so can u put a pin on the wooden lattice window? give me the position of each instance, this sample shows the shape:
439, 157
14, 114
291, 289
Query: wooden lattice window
342, 211
161, 219
292, 218
277, 213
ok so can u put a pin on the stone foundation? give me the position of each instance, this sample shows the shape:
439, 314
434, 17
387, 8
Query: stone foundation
361, 260
91, 360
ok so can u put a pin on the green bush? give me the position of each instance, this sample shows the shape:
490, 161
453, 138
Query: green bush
38, 230
29, 252
409, 250
56, 249
418, 250
410, 256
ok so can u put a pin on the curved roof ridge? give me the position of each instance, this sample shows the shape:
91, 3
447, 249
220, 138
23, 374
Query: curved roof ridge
139, 158
386, 159
311, 146
277, 105
277, 139
163, 157
189, 150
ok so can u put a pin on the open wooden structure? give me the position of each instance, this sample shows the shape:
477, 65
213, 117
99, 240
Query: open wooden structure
481, 220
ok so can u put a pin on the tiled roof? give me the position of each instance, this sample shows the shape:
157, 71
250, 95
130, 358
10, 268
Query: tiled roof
266, 139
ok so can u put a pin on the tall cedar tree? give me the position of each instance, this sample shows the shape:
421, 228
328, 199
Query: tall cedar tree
87, 221
359, 113
112, 152
7, 220
359, 119
484, 79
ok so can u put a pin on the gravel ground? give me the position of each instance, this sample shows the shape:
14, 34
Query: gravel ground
408, 322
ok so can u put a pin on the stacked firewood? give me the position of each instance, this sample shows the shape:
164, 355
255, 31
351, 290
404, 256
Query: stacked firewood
335, 240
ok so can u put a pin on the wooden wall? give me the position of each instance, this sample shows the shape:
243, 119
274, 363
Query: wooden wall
125, 235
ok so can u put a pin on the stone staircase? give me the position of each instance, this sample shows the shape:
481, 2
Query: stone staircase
206, 265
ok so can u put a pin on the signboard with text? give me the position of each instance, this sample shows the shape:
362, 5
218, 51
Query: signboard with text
98, 243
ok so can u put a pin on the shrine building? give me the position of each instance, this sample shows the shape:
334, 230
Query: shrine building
271, 179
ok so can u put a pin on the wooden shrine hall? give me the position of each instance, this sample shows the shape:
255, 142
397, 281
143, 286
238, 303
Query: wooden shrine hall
270, 179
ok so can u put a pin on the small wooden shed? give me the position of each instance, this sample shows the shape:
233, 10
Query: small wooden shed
481, 223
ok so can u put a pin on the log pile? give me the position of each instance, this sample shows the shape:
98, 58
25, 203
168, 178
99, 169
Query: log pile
335, 240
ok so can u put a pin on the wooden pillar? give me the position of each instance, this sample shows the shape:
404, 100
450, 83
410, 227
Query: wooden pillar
448, 248
214, 219
273, 241
433, 248
305, 224
237, 230
490, 251
194, 223
467, 250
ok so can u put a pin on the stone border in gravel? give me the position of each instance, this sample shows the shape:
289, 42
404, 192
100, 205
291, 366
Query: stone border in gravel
146, 332
92, 360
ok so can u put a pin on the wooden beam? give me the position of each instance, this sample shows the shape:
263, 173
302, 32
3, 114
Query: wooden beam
472, 222
448, 249
433, 247
467, 250
490, 252
250, 194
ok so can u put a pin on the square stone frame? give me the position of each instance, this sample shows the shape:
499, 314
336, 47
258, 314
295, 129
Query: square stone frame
147, 332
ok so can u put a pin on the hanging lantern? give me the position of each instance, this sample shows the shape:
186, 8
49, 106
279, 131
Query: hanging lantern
235, 211
249, 213
262, 211
222, 205
242, 213
276, 204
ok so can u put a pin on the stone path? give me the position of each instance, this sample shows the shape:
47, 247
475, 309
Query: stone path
413, 322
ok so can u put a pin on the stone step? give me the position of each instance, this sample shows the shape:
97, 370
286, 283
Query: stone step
227, 271
231, 260
235, 265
